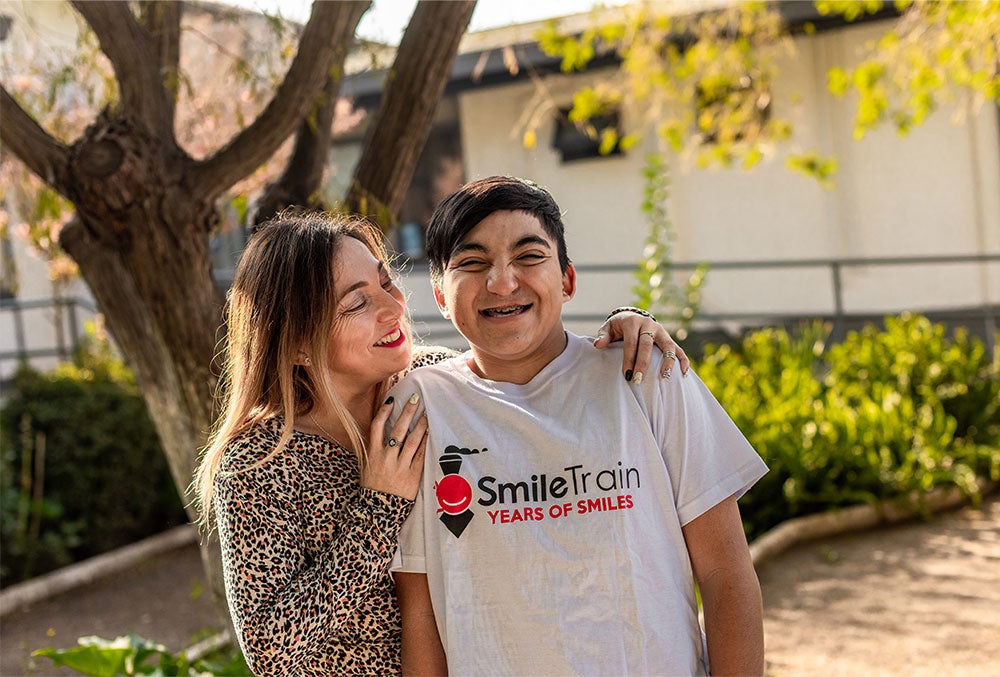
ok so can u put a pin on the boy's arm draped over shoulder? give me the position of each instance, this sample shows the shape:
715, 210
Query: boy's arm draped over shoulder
285, 600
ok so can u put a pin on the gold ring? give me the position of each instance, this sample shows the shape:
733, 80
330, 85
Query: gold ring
669, 353
393, 442
651, 334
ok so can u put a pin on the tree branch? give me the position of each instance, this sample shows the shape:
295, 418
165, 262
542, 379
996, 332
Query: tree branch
127, 45
331, 26
43, 154
403, 122
162, 21
300, 182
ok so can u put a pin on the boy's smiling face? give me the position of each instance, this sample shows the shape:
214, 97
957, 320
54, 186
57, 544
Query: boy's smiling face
503, 289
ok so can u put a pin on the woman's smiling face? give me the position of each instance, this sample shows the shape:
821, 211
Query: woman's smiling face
369, 340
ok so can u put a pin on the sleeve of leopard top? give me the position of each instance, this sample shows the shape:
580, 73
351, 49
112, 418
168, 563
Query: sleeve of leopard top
286, 601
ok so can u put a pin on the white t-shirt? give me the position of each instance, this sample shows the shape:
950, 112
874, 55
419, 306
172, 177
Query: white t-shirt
549, 516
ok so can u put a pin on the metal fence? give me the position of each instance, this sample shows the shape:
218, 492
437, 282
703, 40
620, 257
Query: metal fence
981, 319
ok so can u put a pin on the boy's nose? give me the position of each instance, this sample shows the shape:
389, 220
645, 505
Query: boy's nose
502, 281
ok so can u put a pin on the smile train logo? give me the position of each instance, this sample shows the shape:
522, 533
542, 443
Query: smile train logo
454, 493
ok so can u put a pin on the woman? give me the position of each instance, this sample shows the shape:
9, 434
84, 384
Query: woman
308, 491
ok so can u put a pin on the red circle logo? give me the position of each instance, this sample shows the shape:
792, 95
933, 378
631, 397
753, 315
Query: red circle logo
453, 494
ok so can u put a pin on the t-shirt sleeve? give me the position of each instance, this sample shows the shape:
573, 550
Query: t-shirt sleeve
409, 555
708, 458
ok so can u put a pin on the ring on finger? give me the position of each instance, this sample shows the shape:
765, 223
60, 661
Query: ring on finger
393, 442
651, 334
669, 353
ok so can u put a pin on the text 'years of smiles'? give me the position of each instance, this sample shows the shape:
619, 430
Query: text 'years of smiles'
558, 510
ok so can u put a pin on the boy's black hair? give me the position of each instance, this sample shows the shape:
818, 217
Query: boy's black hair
462, 211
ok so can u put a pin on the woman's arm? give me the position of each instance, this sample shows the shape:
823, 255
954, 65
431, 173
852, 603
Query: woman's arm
286, 601
639, 331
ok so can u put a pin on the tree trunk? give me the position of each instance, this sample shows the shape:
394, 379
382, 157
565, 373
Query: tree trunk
145, 209
141, 244
414, 87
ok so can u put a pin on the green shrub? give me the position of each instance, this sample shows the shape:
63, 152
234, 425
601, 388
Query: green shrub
885, 414
83, 469
134, 655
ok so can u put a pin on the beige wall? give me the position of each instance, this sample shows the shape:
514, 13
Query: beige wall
46, 25
933, 192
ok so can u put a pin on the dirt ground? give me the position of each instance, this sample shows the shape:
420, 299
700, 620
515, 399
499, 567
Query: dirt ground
164, 599
918, 599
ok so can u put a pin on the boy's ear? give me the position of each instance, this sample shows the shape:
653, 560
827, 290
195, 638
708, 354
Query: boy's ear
441, 303
569, 283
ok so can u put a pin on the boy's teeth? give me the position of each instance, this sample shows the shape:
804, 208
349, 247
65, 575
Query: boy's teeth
500, 312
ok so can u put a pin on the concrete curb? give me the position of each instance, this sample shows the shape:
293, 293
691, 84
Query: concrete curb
856, 518
75, 575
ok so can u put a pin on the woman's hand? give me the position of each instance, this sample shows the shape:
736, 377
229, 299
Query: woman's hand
395, 461
639, 334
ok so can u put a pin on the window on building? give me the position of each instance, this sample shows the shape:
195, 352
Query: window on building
581, 141
6, 21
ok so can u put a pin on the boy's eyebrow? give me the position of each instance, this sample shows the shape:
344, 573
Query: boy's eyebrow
531, 239
476, 247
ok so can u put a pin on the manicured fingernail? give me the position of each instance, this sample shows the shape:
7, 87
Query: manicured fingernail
628, 374
666, 373
414, 398
637, 379
390, 399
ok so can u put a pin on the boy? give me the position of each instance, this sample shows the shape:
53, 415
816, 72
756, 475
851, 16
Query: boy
564, 514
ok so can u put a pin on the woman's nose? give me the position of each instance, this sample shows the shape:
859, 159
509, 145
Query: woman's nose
392, 306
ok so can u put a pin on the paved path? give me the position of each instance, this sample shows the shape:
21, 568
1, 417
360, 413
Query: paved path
164, 599
918, 599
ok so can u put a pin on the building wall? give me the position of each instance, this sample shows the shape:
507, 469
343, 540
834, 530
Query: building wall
39, 326
931, 193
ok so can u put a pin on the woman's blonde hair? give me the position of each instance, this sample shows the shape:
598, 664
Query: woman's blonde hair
282, 302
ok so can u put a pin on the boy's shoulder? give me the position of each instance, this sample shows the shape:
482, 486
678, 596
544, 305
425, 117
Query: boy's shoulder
431, 365
424, 356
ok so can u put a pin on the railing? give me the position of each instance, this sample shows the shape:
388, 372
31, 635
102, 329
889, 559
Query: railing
986, 315
66, 327
437, 329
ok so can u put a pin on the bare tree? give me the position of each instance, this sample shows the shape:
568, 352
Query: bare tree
145, 209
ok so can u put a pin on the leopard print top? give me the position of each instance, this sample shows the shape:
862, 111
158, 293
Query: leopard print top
306, 554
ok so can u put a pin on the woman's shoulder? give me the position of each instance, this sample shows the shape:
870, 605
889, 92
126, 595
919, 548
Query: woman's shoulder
253, 447
424, 356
